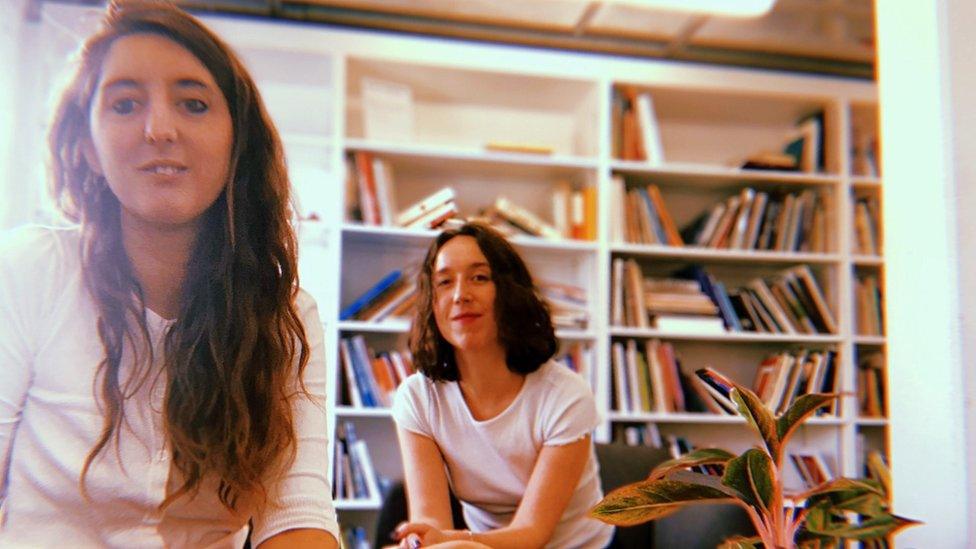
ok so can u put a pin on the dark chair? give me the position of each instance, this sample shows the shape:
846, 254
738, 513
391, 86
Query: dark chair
702, 526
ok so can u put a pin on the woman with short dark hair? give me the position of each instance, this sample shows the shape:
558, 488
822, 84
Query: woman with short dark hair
162, 380
489, 416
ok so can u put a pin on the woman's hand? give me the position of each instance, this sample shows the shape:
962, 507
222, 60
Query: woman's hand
418, 534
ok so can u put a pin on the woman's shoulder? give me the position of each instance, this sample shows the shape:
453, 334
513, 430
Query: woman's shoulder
554, 376
35, 250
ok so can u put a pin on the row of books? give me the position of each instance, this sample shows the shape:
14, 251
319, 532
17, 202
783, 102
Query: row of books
636, 434
790, 302
645, 218
636, 135
812, 468
355, 477
802, 148
648, 378
757, 220
871, 384
866, 236
865, 160
781, 378
370, 379
867, 295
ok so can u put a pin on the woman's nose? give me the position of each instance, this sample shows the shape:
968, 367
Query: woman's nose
160, 124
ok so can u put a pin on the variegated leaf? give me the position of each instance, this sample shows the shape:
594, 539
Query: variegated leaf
799, 411
651, 499
701, 456
758, 416
740, 542
873, 528
751, 474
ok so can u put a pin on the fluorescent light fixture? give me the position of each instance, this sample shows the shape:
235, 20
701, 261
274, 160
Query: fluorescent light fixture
725, 8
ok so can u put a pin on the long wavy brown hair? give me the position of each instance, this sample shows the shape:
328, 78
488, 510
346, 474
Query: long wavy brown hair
233, 360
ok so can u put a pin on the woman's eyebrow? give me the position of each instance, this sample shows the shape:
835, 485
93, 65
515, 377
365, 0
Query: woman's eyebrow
120, 83
191, 83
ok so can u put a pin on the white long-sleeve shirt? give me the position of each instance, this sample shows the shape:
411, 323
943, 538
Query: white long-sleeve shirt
50, 421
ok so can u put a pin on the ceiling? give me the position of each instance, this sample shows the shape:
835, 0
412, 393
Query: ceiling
820, 36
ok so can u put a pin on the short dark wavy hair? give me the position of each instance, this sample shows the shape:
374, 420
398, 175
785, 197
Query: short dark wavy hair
524, 326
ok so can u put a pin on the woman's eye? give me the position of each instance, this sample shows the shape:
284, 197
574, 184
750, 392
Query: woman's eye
124, 106
443, 282
196, 106
482, 278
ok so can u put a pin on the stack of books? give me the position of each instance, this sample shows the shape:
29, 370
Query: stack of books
871, 384
393, 296
430, 212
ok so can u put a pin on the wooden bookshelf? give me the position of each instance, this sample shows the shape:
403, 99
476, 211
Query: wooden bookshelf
465, 96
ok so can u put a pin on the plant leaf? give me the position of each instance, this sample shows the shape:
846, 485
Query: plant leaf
873, 528
701, 456
799, 411
652, 499
852, 486
751, 474
758, 416
740, 542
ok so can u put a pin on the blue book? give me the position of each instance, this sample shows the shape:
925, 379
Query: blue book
725, 307
370, 294
363, 371
662, 238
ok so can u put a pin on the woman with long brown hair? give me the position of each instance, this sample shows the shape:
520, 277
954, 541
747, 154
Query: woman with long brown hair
162, 380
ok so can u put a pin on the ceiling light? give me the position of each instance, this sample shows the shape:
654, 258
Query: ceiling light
725, 8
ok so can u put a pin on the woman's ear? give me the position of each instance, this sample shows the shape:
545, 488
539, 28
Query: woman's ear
91, 156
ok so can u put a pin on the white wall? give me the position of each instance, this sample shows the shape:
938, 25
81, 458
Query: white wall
961, 19
926, 377
11, 22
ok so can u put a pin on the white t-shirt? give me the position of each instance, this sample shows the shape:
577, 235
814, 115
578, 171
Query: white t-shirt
489, 462
49, 421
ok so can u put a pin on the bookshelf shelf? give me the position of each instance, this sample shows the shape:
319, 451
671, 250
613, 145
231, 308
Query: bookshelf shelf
868, 260
871, 422
701, 419
712, 176
695, 253
433, 157
420, 238
362, 411
397, 326
866, 182
869, 340
357, 504
743, 337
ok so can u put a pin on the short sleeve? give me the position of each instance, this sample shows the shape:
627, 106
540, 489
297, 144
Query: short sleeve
302, 496
411, 405
570, 412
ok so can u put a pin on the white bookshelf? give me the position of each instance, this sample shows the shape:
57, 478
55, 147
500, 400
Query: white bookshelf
468, 95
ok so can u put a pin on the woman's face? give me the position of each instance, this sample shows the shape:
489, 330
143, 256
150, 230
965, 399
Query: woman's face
464, 295
161, 131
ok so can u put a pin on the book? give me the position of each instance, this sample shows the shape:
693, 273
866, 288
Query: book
368, 200
689, 324
524, 219
650, 132
360, 303
421, 207
435, 217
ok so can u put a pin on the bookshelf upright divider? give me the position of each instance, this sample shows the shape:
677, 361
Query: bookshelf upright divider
494, 121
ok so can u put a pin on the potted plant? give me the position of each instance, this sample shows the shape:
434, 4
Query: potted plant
854, 509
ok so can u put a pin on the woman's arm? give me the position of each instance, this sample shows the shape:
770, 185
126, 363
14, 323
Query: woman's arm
426, 480
554, 478
301, 538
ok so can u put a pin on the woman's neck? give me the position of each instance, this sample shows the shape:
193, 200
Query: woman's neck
159, 257
486, 382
